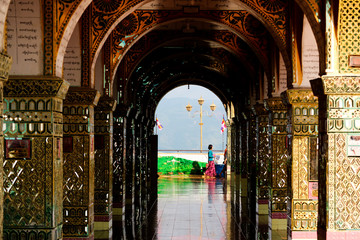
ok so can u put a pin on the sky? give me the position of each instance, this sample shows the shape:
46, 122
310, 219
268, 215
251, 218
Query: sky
181, 130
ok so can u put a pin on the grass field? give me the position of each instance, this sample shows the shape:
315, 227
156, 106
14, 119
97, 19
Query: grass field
169, 165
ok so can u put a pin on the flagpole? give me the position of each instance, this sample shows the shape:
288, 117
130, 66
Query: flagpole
156, 125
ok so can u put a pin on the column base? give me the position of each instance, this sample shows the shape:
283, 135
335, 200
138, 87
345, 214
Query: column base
103, 222
279, 221
102, 235
304, 235
244, 187
345, 234
118, 210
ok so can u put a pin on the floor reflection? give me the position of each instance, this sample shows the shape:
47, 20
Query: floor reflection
189, 208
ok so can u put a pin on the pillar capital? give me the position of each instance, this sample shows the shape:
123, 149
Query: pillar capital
259, 109
36, 86
304, 111
106, 103
274, 104
301, 96
82, 96
5, 64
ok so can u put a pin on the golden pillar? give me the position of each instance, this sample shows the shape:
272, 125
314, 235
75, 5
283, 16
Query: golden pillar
303, 144
33, 169
5, 63
279, 157
263, 174
103, 165
339, 158
79, 147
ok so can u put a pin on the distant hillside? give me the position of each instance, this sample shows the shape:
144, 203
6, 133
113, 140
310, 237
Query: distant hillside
181, 129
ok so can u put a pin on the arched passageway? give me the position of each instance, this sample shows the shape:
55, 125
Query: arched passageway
80, 82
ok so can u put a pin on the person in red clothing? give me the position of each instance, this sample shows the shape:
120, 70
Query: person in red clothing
210, 171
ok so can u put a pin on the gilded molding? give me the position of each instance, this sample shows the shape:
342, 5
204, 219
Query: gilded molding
301, 96
275, 104
82, 96
30, 86
106, 103
5, 65
341, 84
305, 215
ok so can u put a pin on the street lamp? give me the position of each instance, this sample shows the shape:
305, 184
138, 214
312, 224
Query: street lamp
201, 102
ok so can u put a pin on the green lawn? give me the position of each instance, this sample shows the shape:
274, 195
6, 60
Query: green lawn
175, 166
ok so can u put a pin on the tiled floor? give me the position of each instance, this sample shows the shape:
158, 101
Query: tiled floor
194, 208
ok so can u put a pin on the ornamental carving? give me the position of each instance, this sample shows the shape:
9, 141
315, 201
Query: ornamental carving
5, 65
106, 103
305, 215
83, 96
36, 87
341, 84
249, 27
275, 104
301, 96
154, 39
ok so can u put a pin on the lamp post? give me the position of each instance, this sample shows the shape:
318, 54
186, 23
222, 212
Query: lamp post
201, 102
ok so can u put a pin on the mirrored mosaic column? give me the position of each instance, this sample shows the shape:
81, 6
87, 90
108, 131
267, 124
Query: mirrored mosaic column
79, 163
103, 166
130, 177
303, 146
33, 167
252, 166
5, 64
263, 173
279, 156
119, 151
138, 173
243, 155
339, 158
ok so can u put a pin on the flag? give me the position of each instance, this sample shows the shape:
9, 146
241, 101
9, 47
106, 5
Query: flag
223, 125
159, 124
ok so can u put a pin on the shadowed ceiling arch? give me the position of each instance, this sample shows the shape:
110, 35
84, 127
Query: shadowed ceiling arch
156, 78
132, 59
259, 46
272, 18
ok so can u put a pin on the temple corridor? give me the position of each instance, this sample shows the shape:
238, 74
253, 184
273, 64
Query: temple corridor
80, 82
192, 207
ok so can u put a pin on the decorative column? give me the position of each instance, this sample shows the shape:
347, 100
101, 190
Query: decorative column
137, 172
339, 158
104, 165
263, 174
251, 168
5, 64
243, 158
144, 172
130, 177
79, 164
279, 155
119, 152
33, 168
303, 181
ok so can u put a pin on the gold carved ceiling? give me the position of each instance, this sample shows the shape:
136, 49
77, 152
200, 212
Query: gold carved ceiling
106, 14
